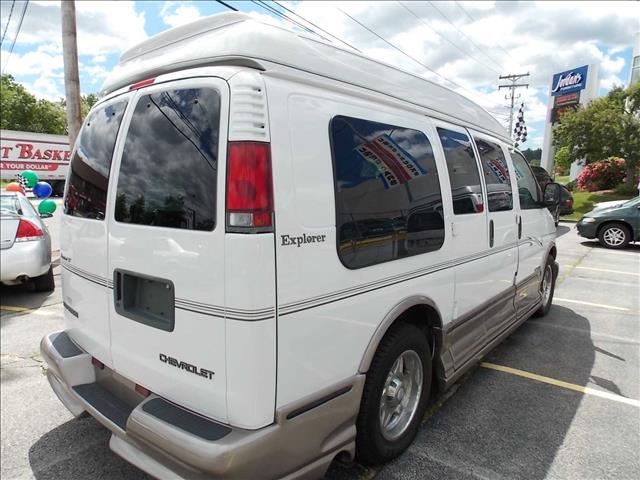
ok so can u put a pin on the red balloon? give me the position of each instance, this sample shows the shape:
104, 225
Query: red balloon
14, 187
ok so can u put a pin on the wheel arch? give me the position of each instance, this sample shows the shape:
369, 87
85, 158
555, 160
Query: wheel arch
621, 222
417, 310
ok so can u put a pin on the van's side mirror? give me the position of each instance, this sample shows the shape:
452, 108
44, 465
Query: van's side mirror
551, 195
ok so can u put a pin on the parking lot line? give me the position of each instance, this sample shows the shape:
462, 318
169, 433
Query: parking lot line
561, 384
611, 307
8, 308
23, 310
609, 271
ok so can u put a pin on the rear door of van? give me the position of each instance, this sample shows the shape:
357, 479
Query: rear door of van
84, 230
167, 244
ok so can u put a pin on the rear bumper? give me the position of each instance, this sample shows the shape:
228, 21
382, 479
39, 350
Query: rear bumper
30, 259
168, 441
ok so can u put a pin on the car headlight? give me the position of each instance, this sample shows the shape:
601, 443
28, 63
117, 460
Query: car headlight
588, 220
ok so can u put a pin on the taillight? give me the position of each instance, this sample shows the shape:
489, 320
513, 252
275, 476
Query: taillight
28, 231
249, 187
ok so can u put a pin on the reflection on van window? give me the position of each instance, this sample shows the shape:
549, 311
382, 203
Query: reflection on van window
170, 160
466, 189
388, 200
496, 176
91, 162
528, 188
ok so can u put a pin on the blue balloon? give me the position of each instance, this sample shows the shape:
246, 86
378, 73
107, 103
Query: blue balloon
42, 190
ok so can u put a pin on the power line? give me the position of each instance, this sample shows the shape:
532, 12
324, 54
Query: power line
445, 38
465, 36
286, 17
493, 44
8, 21
314, 25
407, 55
227, 5
24, 11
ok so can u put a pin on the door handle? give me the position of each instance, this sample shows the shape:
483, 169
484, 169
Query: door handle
490, 233
519, 227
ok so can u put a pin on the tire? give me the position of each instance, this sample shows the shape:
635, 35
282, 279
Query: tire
548, 281
58, 188
45, 283
375, 443
614, 235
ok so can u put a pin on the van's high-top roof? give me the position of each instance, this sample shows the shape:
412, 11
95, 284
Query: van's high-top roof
238, 39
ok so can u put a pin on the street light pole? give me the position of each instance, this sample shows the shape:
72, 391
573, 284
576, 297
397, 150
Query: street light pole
71, 76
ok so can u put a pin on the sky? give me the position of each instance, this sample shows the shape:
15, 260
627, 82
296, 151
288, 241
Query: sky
467, 44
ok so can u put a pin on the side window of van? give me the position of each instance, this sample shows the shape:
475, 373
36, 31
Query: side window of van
528, 188
91, 162
496, 176
388, 199
466, 188
170, 160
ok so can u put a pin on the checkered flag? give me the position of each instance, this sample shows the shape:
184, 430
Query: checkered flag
520, 130
23, 182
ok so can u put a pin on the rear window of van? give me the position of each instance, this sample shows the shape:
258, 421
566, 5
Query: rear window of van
87, 192
169, 164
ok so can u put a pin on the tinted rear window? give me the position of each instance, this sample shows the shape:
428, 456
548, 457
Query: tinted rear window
388, 200
90, 165
169, 165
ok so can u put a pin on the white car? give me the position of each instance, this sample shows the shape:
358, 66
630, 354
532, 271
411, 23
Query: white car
25, 244
263, 263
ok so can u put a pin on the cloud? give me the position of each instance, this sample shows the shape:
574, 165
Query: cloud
103, 27
178, 13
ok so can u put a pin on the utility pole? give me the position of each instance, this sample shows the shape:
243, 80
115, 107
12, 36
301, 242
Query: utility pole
512, 85
71, 77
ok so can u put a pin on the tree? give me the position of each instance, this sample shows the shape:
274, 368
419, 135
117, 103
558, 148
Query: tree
607, 127
531, 155
563, 158
19, 110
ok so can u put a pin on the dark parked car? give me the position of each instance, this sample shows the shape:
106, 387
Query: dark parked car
614, 227
566, 199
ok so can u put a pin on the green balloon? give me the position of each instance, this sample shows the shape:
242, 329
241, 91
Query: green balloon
47, 206
31, 177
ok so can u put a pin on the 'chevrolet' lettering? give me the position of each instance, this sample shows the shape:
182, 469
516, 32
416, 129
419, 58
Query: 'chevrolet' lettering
202, 372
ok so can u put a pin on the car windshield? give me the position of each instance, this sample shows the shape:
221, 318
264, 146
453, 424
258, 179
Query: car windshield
9, 205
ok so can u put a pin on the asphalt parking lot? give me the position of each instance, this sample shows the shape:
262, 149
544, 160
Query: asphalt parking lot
560, 398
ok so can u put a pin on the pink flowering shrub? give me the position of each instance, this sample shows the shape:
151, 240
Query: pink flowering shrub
602, 175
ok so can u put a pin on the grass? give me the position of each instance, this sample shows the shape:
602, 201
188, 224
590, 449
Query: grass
583, 202
562, 179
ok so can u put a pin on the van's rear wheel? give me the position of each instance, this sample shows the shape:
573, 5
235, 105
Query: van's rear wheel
395, 395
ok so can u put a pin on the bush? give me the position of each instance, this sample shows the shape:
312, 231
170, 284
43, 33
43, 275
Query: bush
627, 190
571, 186
602, 175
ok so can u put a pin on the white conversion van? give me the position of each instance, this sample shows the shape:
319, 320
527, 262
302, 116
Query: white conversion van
275, 250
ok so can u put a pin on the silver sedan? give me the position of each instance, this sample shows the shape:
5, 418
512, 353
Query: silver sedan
25, 244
